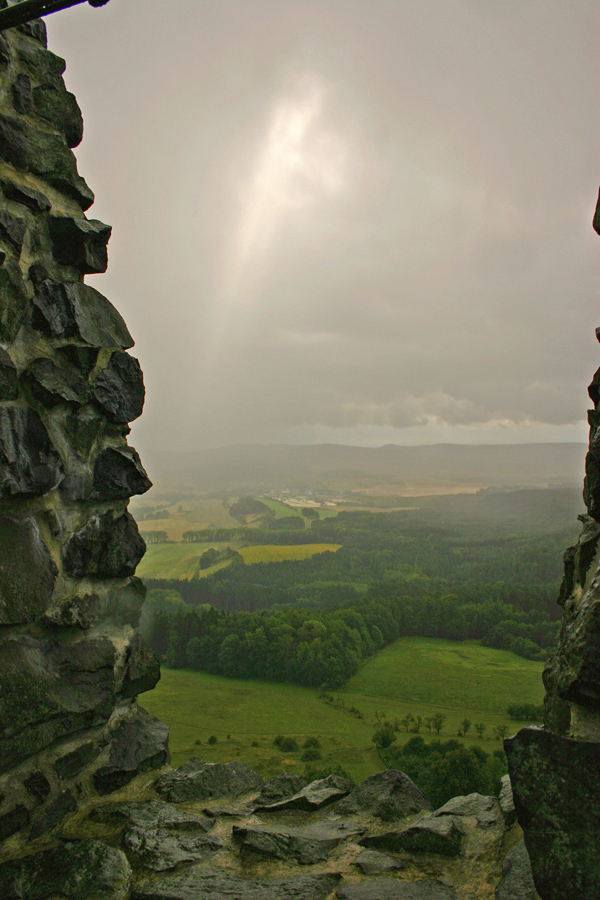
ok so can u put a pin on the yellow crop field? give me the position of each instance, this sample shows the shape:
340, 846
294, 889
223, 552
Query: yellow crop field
279, 553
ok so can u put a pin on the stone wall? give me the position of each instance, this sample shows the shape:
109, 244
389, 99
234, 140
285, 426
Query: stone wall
71, 663
555, 771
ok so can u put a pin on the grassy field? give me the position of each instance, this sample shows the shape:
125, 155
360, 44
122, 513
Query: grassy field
278, 553
281, 510
417, 675
183, 560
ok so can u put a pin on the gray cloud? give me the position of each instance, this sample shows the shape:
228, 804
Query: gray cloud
360, 221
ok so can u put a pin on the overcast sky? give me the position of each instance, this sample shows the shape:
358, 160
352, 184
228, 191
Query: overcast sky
353, 221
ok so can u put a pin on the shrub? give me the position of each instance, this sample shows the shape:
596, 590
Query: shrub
384, 736
311, 754
212, 739
311, 742
288, 745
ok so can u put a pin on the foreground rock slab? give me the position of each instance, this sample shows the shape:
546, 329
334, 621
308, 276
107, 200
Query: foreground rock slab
151, 814
81, 870
443, 836
517, 879
386, 889
195, 884
314, 796
389, 795
371, 862
554, 781
307, 844
159, 850
199, 780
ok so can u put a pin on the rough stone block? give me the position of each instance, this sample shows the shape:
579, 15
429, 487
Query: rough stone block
143, 669
196, 884
151, 814
80, 243
8, 377
199, 780
13, 301
307, 844
51, 385
44, 154
37, 785
60, 108
21, 94
442, 836
554, 781
26, 196
386, 889
12, 232
160, 850
108, 546
29, 464
53, 815
27, 572
71, 764
13, 821
315, 795
119, 389
119, 474
389, 795
138, 744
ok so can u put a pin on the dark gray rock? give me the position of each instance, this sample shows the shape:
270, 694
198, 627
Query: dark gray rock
390, 795
308, 844
140, 743
36, 29
45, 154
12, 231
13, 821
54, 814
49, 690
195, 884
21, 94
37, 785
160, 850
51, 385
279, 788
386, 889
517, 880
483, 808
315, 795
27, 572
59, 107
119, 389
119, 474
82, 427
78, 610
80, 870
71, 764
8, 377
29, 464
80, 243
441, 835
44, 65
108, 546
125, 602
77, 310
26, 196
143, 669
507, 803
151, 814
551, 777
13, 301
199, 780
82, 358
226, 812
371, 862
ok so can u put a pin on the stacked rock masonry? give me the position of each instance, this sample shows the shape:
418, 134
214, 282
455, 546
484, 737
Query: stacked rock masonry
555, 771
71, 663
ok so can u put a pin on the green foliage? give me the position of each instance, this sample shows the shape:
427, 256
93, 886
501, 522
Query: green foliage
311, 754
247, 506
286, 744
155, 537
212, 739
384, 737
526, 712
309, 512
311, 742
314, 773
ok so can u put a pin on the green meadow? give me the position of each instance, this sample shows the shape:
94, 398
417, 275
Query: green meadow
420, 676
278, 553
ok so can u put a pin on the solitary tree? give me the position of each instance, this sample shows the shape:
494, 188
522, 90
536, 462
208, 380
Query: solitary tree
438, 722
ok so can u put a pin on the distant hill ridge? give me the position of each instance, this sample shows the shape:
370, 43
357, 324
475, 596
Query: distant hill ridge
391, 468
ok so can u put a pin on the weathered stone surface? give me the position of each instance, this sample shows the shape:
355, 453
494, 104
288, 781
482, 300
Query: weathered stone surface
80, 243
226, 812
507, 803
284, 785
77, 310
36, 29
575, 668
119, 474
71, 764
27, 196
139, 743
37, 785
56, 811
13, 821
119, 389
386, 889
29, 465
45, 154
551, 777
21, 94
486, 810
13, 301
82, 358
60, 108
442, 835
517, 880
108, 546
195, 884
12, 231
27, 572
199, 780
8, 377
49, 690
308, 844
152, 814
160, 850
390, 795
125, 602
51, 385
371, 862
82, 427
315, 795
143, 669
80, 870
44, 65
